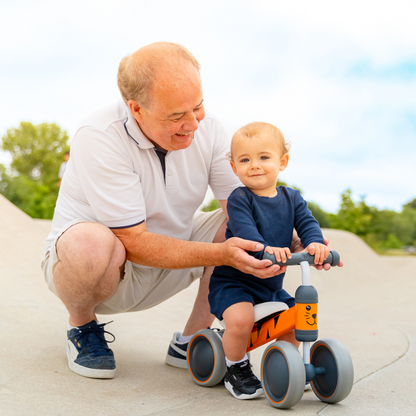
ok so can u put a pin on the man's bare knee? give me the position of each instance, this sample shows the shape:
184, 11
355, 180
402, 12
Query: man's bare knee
90, 248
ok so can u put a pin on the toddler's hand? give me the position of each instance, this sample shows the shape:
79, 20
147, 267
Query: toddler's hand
280, 253
320, 251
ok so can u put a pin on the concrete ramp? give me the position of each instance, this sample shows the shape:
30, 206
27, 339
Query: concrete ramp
368, 305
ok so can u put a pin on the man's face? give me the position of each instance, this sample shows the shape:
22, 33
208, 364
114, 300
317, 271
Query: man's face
175, 114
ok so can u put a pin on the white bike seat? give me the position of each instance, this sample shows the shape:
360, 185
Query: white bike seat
262, 310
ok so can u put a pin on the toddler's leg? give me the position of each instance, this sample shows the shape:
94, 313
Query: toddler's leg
239, 379
239, 320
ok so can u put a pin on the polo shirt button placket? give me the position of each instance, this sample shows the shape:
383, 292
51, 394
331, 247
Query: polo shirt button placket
169, 174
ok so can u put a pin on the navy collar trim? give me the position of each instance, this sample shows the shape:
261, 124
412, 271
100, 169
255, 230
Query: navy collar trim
125, 128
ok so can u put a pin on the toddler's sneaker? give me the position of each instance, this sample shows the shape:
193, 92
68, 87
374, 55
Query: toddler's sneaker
88, 353
177, 352
240, 381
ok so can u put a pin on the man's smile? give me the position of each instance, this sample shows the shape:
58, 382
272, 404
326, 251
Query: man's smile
183, 134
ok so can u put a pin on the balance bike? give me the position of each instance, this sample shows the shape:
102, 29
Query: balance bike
327, 365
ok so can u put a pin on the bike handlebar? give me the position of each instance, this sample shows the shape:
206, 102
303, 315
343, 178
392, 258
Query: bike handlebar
333, 259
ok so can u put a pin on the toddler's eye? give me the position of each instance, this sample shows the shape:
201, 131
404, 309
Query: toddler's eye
243, 160
264, 157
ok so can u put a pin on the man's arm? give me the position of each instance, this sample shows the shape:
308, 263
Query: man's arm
155, 250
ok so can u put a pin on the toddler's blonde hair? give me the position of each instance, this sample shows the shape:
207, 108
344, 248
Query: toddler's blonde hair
257, 129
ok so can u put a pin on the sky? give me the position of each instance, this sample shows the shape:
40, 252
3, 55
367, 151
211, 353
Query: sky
338, 78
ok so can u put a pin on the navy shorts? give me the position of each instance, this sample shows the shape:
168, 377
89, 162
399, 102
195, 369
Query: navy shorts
225, 291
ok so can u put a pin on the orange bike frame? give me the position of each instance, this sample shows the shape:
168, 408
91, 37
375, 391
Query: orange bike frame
272, 328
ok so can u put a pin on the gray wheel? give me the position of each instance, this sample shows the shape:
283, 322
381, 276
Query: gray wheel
283, 374
336, 383
206, 359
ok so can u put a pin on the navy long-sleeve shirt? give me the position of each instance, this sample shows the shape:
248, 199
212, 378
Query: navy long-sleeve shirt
269, 221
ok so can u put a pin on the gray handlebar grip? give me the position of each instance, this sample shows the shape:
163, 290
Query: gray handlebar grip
333, 259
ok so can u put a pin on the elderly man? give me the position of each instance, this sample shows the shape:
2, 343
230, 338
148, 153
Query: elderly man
126, 234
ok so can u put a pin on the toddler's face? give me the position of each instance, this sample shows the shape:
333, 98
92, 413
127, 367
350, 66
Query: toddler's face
257, 162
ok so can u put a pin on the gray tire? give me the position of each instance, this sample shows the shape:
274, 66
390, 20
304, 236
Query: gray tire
336, 383
283, 374
206, 359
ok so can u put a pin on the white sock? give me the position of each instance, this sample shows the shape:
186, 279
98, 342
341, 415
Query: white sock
230, 363
184, 339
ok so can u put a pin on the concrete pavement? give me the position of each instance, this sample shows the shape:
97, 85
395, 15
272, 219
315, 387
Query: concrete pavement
369, 305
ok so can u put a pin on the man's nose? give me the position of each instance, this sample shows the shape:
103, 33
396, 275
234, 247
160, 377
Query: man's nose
191, 122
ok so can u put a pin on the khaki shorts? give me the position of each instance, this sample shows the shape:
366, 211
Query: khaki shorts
142, 286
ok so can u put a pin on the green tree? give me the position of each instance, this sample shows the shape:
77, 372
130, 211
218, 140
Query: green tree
351, 216
31, 180
392, 242
211, 206
382, 225
320, 215
405, 226
410, 204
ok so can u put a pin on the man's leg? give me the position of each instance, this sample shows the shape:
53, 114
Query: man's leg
90, 264
200, 317
88, 272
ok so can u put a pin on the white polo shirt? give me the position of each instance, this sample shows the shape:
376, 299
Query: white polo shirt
115, 177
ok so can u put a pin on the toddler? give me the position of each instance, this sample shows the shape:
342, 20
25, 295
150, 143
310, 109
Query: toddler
262, 212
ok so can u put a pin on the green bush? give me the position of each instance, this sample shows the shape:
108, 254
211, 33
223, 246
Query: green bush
37, 153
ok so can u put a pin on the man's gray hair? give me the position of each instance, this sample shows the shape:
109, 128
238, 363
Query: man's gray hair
138, 71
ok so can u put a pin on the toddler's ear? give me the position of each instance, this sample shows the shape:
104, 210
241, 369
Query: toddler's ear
284, 161
233, 167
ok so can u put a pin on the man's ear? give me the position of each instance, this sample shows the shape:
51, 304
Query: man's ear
233, 167
135, 110
284, 161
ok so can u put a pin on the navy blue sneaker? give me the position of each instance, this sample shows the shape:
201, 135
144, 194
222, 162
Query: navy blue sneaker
88, 353
177, 352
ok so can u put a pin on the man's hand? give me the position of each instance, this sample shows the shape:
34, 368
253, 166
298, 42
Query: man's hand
235, 250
